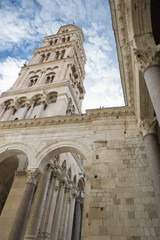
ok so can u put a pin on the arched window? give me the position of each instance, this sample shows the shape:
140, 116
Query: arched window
47, 56
49, 78
70, 108
42, 58
63, 39
62, 54
57, 55
33, 81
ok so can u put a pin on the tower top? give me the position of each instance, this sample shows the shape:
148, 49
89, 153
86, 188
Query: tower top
66, 29
69, 28
52, 82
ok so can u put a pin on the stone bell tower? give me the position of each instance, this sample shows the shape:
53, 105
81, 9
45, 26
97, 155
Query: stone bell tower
52, 82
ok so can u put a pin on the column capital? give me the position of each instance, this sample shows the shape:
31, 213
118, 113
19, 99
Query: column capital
32, 175
147, 126
148, 57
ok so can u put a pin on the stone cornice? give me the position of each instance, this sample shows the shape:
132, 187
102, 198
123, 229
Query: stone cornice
89, 117
34, 90
148, 57
147, 126
52, 48
124, 50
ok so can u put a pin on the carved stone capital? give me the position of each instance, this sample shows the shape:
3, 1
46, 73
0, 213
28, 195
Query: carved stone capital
32, 175
148, 57
147, 126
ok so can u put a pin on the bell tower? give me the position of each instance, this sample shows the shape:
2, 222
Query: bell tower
52, 82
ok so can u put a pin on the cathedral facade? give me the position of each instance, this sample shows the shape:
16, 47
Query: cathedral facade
65, 175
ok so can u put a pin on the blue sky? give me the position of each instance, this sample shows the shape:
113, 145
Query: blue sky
24, 23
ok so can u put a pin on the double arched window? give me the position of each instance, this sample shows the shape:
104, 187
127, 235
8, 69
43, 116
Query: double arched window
49, 78
33, 80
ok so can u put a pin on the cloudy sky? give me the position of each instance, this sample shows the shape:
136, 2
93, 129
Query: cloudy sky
24, 23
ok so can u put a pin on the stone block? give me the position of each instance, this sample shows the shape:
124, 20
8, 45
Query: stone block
152, 214
157, 231
129, 201
94, 228
131, 215
103, 231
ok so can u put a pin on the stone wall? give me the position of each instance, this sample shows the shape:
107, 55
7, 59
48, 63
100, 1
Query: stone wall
122, 203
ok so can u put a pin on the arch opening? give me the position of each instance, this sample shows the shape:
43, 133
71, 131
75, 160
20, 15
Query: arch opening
67, 178
10, 162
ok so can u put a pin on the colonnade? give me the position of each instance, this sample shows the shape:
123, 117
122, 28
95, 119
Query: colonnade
9, 109
47, 208
149, 63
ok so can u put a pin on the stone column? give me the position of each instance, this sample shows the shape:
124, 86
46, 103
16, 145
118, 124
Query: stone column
149, 63
25, 111
37, 206
46, 225
153, 155
77, 220
8, 113
58, 211
152, 78
64, 216
20, 220
70, 216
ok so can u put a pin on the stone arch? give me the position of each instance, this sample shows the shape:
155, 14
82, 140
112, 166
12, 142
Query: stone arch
81, 184
13, 157
63, 146
37, 99
21, 101
8, 108
16, 148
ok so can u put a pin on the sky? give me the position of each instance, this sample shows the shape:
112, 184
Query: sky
24, 24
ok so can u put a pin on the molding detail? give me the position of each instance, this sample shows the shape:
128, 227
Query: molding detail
90, 116
147, 126
147, 58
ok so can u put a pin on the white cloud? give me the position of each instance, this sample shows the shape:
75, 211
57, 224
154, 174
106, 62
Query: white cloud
9, 69
28, 21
